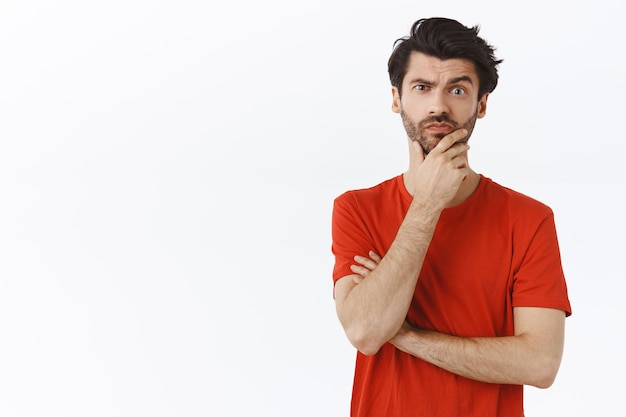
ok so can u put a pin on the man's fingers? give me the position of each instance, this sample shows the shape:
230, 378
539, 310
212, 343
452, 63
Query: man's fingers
459, 135
419, 151
360, 270
366, 262
448, 141
366, 265
375, 257
356, 280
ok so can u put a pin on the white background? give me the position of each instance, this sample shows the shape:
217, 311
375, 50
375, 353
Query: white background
167, 171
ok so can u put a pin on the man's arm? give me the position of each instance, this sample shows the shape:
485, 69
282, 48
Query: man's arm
373, 311
531, 357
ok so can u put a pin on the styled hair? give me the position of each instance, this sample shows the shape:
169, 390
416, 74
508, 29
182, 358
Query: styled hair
445, 39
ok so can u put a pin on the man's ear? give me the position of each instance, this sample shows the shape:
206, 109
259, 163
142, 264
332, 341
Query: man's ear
396, 105
482, 107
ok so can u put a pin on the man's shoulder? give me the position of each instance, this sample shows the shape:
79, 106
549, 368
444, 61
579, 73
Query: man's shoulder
515, 199
374, 193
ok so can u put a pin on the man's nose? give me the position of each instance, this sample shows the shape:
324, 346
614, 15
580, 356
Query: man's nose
438, 103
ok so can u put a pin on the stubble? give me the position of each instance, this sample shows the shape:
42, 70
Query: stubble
416, 132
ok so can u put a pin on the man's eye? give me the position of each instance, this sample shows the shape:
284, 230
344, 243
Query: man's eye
458, 91
421, 87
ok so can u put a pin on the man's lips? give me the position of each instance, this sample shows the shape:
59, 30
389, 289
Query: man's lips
439, 127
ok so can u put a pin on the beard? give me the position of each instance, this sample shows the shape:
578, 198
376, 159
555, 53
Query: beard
415, 130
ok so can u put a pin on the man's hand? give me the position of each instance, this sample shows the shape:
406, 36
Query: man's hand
435, 178
372, 311
365, 266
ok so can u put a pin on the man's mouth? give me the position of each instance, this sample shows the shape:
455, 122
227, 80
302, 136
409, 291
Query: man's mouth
439, 127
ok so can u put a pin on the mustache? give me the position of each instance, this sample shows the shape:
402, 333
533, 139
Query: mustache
442, 118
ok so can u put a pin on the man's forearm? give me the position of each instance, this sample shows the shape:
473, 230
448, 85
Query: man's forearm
373, 311
524, 359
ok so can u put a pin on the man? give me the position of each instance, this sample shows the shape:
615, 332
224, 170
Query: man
449, 285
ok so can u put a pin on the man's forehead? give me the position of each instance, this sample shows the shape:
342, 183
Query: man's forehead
422, 66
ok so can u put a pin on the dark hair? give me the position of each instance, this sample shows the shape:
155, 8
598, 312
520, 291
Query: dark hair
445, 39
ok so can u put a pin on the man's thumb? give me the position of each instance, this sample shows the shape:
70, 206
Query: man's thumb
419, 151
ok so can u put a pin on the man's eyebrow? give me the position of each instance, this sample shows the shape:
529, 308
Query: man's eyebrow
421, 81
461, 79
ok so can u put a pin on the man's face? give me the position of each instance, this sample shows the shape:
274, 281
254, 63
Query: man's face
438, 97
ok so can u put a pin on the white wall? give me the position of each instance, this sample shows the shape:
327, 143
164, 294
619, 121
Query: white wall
167, 171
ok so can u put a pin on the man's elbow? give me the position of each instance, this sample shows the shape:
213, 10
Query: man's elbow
543, 382
365, 342
545, 372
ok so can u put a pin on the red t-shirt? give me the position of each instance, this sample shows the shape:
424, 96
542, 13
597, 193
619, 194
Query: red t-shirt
495, 251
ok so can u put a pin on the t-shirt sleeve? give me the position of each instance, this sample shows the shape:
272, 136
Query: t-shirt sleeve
350, 236
540, 281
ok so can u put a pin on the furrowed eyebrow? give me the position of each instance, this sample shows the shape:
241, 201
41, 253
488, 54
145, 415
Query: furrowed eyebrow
461, 79
456, 80
421, 81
